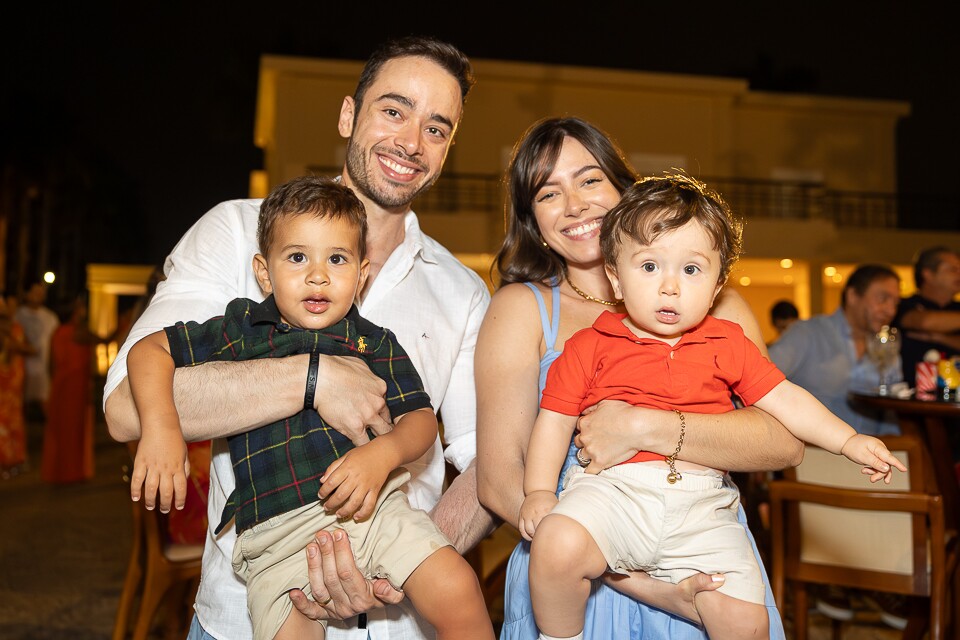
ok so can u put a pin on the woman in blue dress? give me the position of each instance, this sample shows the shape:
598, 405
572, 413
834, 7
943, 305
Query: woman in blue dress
564, 176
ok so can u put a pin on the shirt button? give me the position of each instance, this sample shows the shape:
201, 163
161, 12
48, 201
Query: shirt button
672, 353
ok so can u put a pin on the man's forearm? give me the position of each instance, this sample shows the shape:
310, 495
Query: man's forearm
949, 340
220, 399
459, 514
936, 320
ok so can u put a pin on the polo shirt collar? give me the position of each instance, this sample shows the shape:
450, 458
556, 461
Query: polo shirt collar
266, 312
611, 324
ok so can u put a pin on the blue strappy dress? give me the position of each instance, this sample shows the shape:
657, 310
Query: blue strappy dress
610, 615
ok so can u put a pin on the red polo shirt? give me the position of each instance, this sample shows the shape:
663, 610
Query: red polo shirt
699, 374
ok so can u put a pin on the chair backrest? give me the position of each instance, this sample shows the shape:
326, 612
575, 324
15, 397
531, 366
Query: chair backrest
158, 541
832, 526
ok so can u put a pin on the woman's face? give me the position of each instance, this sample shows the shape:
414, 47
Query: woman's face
571, 204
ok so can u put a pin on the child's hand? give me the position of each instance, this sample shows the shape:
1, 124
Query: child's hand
352, 483
876, 459
535, 506
161, 464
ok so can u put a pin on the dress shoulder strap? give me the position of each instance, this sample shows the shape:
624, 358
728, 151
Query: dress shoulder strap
551, 323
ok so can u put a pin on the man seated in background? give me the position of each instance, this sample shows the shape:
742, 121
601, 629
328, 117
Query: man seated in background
930, 318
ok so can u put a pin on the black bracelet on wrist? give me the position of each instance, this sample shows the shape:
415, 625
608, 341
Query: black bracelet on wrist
312, 371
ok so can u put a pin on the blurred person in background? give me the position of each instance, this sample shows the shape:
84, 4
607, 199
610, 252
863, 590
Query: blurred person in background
38, 323
826, 354
783, 313
13, 348
68, 437
930, 318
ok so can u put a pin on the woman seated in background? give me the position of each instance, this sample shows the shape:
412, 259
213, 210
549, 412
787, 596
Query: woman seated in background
564, 176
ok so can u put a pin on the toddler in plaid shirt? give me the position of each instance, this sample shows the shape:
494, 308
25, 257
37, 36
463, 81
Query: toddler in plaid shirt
299, 475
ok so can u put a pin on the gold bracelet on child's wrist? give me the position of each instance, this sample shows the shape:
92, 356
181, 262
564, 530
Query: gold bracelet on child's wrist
674, 475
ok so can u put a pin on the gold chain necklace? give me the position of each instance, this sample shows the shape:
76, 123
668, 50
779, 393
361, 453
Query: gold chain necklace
587, 296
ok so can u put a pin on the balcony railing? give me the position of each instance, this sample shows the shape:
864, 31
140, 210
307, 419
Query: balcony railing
457, 192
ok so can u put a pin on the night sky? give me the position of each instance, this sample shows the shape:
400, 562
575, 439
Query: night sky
147, 111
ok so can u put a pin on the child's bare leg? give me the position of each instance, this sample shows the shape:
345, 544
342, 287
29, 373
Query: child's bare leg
564, 558
298, 626
725, 617
445, 590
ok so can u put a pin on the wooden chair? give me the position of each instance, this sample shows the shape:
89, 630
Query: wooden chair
830, 526
156, 569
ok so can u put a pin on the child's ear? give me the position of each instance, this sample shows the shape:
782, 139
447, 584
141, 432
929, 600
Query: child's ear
262, 273
611, 272
364, 272
717, 291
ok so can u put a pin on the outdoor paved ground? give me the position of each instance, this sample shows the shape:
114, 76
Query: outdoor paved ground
63, 549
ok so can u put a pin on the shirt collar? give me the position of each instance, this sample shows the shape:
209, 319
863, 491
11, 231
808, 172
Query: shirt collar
413, 243
839, 318
611, 324
413, 239
266, 312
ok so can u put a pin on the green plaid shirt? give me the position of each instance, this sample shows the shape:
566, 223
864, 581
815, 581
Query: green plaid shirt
278, 466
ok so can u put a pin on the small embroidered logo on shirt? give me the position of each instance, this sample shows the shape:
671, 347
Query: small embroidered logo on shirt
361, 344
425, 336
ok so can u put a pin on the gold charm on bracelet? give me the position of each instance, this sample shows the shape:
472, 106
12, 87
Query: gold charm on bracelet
674, 476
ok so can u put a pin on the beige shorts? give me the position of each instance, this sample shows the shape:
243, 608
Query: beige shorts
390, 544
640, 522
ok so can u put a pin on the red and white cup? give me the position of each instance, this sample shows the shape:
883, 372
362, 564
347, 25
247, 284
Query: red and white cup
926, 381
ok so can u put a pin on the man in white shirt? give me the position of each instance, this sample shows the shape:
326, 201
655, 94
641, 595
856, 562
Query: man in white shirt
400, 124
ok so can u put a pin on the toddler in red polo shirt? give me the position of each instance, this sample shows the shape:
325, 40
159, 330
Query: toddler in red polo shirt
668, 246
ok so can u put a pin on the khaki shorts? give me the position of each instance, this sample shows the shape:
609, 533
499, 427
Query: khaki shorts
390, 544
640, 522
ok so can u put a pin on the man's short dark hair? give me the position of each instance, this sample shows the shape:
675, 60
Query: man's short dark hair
442, 53
865, 275
315, 195
784, 310
929, 259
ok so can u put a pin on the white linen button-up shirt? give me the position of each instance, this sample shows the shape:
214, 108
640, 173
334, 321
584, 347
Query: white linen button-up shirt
428, 298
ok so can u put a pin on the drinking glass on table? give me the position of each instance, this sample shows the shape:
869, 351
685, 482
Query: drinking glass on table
882, 350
